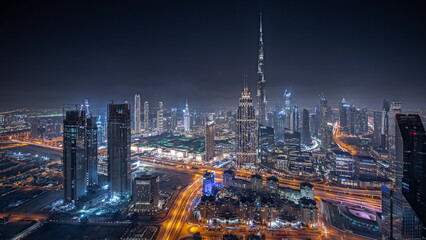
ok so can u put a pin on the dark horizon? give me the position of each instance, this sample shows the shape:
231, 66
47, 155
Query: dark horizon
55, 54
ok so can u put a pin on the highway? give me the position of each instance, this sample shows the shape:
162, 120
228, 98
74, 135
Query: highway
12, 145
36, 143
173, 225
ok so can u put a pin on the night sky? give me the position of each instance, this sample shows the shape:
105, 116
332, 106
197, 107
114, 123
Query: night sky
60, 52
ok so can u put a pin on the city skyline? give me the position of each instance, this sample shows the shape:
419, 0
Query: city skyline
235, 120
352, 53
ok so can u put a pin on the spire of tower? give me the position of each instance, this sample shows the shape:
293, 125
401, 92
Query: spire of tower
261, 54
260, 27
245, 84
186, 107
261, 91
85, 106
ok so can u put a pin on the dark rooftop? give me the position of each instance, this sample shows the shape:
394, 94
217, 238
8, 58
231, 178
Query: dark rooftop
256, 176
306, 184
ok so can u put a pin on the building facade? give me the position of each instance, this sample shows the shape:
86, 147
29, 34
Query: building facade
306, 133
146, 192
74, 156
266, 142
209, 141
119, 136
246, 140
208, 184
186, 118
261, 82
146, 124
411, 155
137, 114
160, 118
92, 150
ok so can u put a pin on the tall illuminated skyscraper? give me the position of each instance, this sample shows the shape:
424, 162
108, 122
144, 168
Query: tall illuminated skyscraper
324, 117
294, 119
266, 141
209, 142
403, 208
92, 150
343, 116
146, 116
137, 114
279, 121
306, 134
261, 91
119, 171
160, 118
187, 118
246, 130
101, 125
173, 119
411, 162
362, 119
394, 109
74, 156
314, 121
287, 108
377, 116
385, 125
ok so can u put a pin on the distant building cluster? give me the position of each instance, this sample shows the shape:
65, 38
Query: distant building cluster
43, 128
357, 170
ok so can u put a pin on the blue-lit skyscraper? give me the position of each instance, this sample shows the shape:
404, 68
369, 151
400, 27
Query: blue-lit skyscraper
266, 142
119, 171
287, 108
74, 156
208, 184
294, 119
92, 150
343, 116
101, 125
